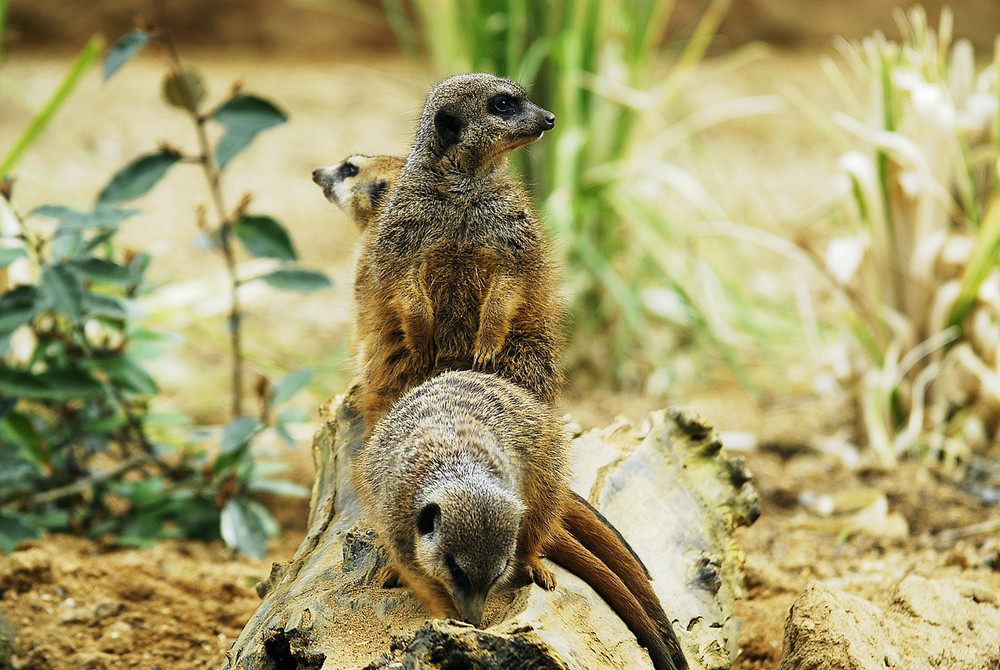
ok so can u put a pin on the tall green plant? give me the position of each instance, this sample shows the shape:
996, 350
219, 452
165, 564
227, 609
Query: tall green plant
920, 270
80, 449
637, 285
243, 117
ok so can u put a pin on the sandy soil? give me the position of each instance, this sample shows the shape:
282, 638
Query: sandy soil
83, 604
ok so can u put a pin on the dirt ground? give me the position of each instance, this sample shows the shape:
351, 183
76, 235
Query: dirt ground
83, 604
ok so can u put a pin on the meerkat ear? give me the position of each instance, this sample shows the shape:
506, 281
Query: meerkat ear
427, 518
449, 128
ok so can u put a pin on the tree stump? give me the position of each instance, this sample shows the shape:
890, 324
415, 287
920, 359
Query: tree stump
668, 486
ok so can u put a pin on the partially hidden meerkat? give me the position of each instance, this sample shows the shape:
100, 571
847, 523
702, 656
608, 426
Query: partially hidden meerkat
359, 184
456, 273
466, 482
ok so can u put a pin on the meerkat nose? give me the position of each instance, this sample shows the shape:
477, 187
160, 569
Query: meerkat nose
316, 174
550, 120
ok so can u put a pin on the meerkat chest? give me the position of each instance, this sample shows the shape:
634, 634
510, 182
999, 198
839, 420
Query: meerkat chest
460, 273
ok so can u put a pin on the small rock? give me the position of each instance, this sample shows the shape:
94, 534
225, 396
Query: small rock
832, 630
931, 623
108, 608
23, 570
955, 622
117, 638
87, 660
70, 615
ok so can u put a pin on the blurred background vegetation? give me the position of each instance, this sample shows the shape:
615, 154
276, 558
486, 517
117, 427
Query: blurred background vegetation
859, 266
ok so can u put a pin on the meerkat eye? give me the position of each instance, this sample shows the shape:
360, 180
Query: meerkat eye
503, 105
427, 518
348, 170
457, 574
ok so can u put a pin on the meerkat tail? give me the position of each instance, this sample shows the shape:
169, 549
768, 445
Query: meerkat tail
596, 534
565, 550
586, 535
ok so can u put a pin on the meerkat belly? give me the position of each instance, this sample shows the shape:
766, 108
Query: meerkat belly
458, 277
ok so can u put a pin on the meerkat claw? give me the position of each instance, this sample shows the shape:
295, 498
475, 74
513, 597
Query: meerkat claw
389, 577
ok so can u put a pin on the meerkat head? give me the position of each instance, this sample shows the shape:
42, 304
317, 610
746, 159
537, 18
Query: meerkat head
359, 184
467, 540
472, 121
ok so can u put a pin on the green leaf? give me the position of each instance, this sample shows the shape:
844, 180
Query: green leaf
17, 428
60, 213
243, 527
137, 178
122, 50
10, 254
63, 291
249, 113
291, 384
14, 528
264, 237
291, 279
71, 220
69, 384
125, 372
231, 144
101, 271
281, 428
285, 417
18, 307
65, 245
243, 116
60, 385
279, 487
106, 308
238, 433
185, 91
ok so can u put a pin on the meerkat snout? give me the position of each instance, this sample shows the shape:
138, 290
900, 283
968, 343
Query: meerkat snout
467, 539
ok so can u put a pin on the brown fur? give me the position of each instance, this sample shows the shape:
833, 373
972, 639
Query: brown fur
456, 273
359, 184
490, 462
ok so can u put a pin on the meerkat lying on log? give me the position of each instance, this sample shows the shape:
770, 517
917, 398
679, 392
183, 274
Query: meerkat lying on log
466, 482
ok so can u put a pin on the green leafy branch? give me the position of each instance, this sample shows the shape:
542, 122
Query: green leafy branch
243, 117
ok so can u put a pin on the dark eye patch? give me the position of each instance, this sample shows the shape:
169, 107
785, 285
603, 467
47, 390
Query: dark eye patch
427, 518
348, 170
503, 105
457, 574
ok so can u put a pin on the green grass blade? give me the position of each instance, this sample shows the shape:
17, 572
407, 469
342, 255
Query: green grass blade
985, 257
3, 25
87, 56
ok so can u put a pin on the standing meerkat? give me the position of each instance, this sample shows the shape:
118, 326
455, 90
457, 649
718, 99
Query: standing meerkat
466, 482
456, 273
359, 184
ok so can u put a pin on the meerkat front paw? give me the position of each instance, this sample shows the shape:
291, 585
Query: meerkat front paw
540, 574
388, 576
484, 358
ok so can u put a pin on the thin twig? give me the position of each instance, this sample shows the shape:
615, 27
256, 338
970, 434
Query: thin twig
213, 175
81, 485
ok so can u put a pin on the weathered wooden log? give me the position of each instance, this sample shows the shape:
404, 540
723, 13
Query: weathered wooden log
668, 486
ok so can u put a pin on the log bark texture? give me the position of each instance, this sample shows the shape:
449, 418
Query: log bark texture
667, 485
